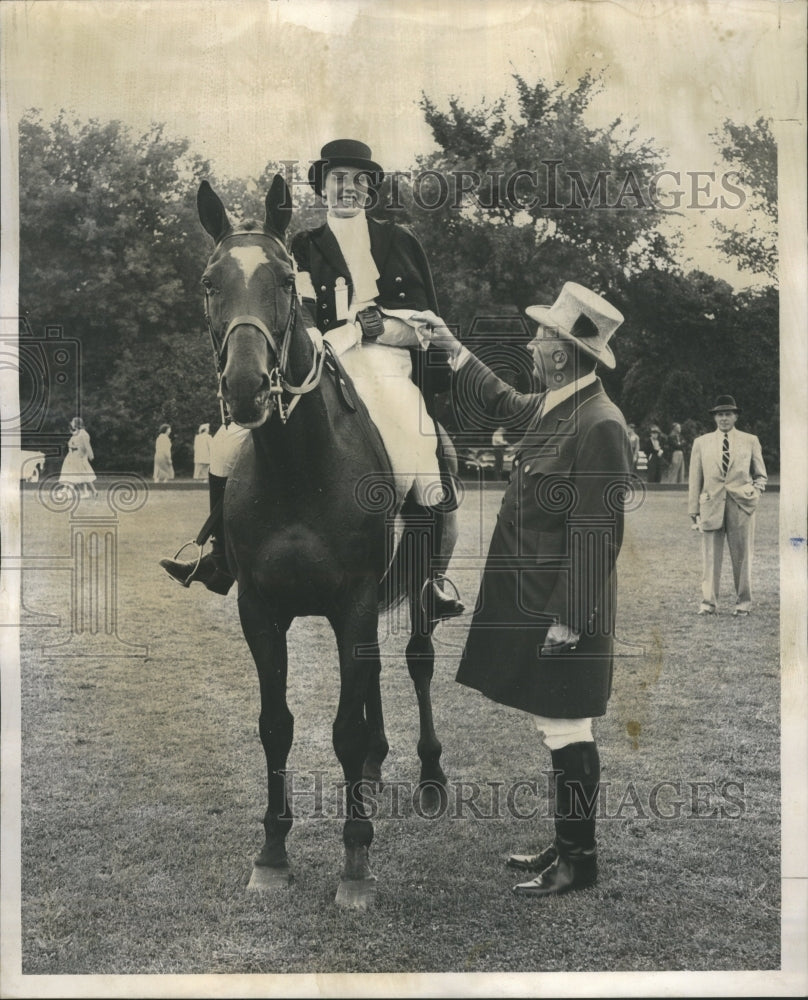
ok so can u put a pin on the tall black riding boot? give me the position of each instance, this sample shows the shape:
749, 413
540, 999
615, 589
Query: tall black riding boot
432, 522
577, 782
212, 568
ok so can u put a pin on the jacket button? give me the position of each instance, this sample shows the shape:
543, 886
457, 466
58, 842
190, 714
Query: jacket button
326, 322
527, 468
322, 288
402, 295
398, 279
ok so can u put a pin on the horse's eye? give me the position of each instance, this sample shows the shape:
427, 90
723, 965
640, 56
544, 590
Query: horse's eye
207, 284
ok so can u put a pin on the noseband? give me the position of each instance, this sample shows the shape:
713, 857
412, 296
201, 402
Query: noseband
278, 383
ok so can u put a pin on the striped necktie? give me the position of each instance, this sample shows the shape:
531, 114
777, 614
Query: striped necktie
725, 455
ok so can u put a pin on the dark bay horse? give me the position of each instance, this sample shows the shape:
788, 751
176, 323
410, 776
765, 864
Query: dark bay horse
305, 534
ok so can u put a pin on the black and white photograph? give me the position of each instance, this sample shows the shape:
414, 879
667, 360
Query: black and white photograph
404, 498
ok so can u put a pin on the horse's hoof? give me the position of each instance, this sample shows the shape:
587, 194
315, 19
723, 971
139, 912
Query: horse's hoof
356, 894
265, 877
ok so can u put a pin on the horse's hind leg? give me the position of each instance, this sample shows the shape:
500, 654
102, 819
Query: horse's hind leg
356, 629
266, 636
421, 663
419, 537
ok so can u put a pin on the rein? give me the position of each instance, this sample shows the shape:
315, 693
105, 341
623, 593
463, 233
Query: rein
278, 382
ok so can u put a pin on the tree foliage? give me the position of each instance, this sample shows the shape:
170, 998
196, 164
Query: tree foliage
513, 204
111, 251
752, 152
537, 197
691, 338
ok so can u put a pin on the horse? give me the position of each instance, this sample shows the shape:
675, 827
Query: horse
307, 521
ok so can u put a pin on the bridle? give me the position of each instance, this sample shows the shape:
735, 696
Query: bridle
278, 383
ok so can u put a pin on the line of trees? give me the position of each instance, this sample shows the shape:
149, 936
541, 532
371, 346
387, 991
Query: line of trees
111, 251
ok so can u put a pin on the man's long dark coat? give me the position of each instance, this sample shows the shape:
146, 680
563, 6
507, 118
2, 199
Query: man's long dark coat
553, 553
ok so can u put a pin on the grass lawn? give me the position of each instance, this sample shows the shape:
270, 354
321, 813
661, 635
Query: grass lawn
143, 781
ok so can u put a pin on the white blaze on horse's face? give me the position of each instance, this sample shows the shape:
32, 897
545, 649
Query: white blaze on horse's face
249, 259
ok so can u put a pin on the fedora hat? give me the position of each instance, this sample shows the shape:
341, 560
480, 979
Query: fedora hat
344, 153
584, 317
725, 403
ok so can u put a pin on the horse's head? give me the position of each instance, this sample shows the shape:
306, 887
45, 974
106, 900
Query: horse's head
250, 302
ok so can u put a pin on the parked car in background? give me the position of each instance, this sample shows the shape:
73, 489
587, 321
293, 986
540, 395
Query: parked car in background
482, 460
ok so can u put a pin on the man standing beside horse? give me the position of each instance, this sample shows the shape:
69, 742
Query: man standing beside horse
359, 280
542, 635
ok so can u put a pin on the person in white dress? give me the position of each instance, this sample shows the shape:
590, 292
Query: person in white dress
76, 468
202, 452
163, 463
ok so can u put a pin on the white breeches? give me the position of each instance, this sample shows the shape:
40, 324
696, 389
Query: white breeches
558, 733
224, 448
382, 376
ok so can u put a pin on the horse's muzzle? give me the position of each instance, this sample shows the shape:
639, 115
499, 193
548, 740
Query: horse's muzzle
249, 410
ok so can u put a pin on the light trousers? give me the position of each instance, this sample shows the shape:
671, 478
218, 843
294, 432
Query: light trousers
739, 530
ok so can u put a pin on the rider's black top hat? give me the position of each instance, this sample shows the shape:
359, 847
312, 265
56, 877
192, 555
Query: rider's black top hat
344, 153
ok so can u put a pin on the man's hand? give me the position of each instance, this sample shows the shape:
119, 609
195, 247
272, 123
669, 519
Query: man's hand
437, 332
559, 639
696, 522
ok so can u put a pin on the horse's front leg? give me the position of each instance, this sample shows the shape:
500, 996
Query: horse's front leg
356, 630
265, 632
378, 747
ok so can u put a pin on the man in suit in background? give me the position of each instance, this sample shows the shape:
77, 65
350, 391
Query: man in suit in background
542, 636
727, 477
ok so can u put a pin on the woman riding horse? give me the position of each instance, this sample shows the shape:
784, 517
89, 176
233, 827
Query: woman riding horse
305, 524
359, 280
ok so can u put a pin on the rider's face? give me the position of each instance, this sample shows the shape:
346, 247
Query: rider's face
346, 191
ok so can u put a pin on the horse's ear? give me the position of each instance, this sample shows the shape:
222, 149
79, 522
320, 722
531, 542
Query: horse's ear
278, 205
212, 213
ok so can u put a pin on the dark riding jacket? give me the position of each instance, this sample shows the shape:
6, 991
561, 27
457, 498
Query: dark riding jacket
553, 553
405, 282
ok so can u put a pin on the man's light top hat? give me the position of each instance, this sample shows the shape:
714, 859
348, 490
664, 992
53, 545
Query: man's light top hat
344, 153
725, 403
584, 317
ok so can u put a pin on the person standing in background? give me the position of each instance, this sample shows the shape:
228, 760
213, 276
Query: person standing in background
76, 468
202, 452
656, 450
676, 470
727, 477
163, 465
634, 442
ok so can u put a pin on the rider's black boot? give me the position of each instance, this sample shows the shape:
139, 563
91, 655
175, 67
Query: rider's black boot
212, 569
